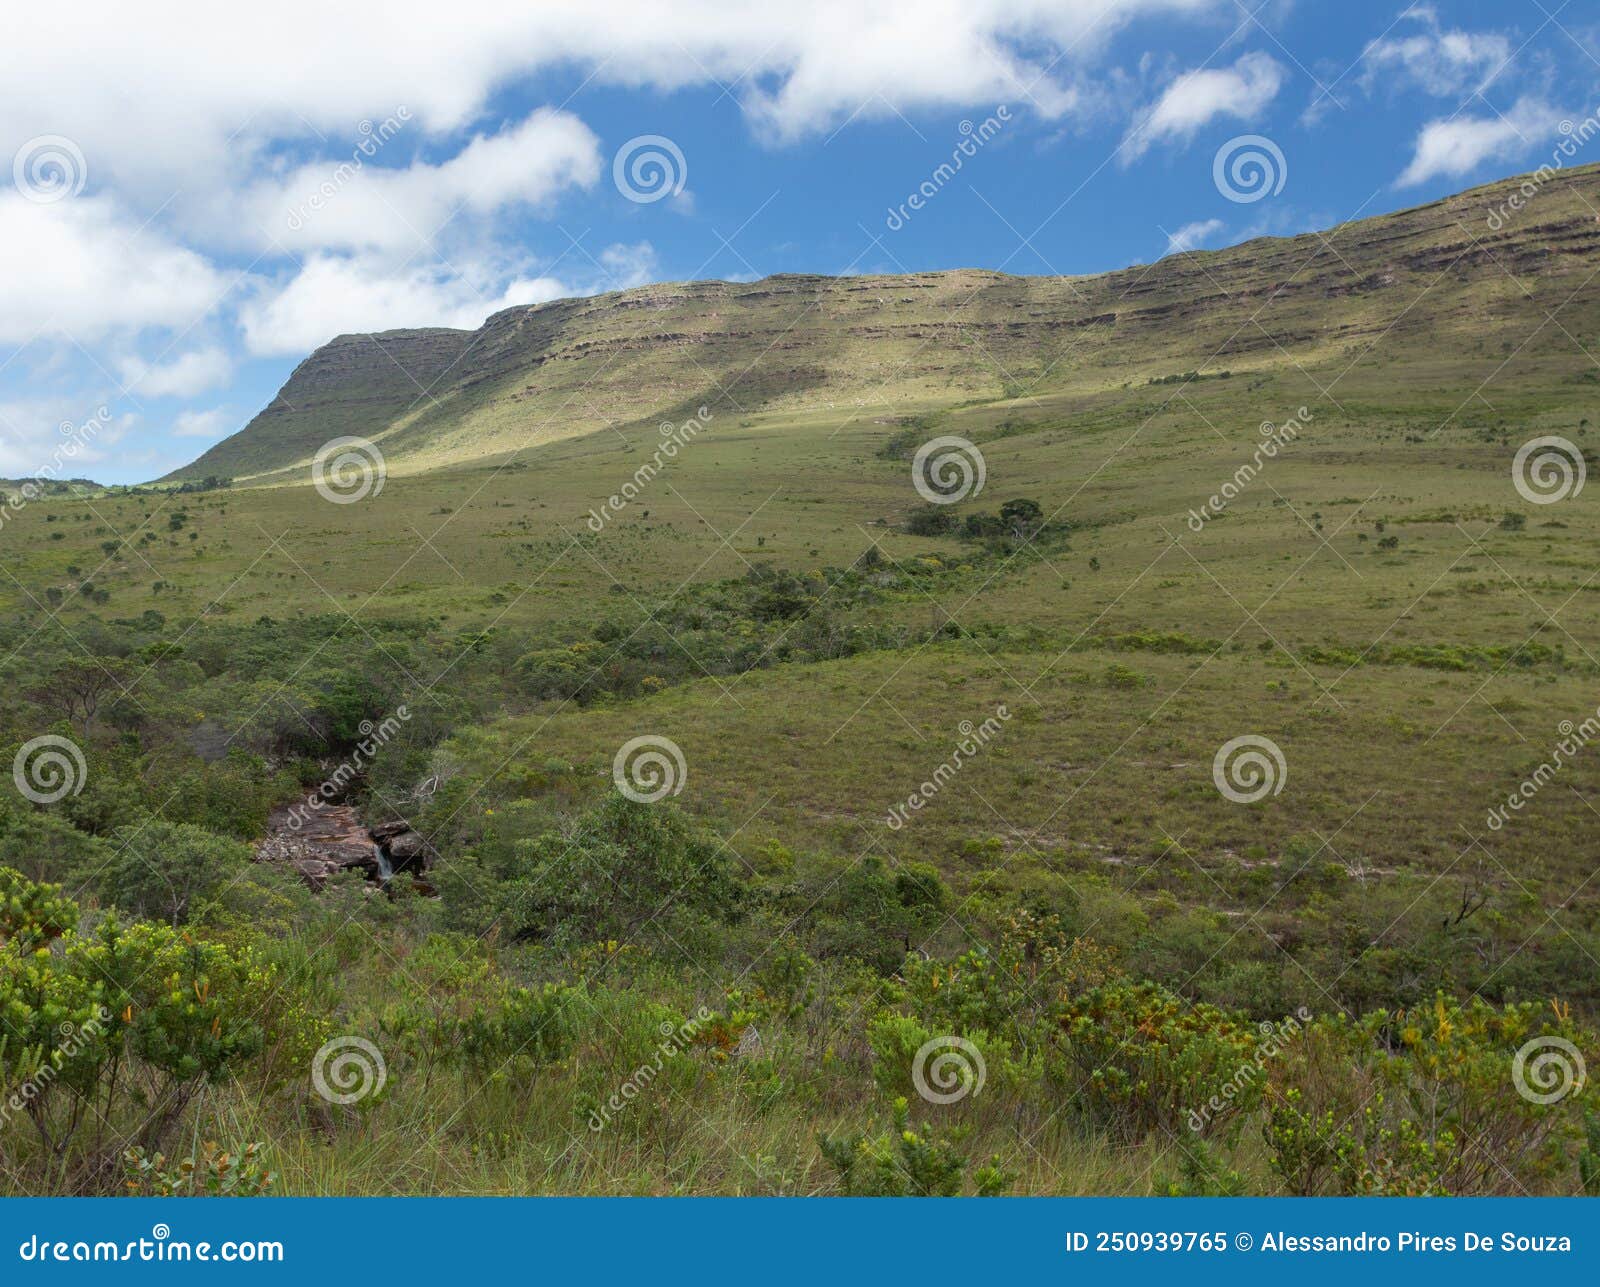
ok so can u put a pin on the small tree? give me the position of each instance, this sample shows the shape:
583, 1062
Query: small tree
164, 871
1021, 517
80, 685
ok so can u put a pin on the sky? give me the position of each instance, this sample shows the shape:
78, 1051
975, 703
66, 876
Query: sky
201, 194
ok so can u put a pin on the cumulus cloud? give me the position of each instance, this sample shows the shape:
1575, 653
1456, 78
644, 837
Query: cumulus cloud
82, 269
1440, 60
332, 295
1197, 98
1454, 146
1192, 235
197, 371
354, 202
318, 69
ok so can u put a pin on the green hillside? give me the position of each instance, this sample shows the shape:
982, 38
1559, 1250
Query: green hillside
798, 345
1393, 597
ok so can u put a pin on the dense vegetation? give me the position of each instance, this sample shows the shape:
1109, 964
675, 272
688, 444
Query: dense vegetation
732, 1016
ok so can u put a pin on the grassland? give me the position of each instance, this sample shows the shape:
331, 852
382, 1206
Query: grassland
1380, 600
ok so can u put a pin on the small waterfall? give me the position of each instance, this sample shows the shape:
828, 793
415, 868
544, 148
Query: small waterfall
385, 867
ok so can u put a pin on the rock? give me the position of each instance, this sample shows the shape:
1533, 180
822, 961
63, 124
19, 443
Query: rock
408, 852
319, 843
314, 871
388, 830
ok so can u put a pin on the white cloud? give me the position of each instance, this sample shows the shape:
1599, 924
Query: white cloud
215, 88
1197, 98
56, 437
197, 371
628, 265
357, 202
204, 424
1442, 61
79, 268
332, 295
1192, 235
1454, 146
339, 294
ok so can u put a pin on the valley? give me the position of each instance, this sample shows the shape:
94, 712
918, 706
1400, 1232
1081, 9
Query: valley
790, 616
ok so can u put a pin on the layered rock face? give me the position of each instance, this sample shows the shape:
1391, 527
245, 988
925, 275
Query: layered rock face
320, 843
797, 343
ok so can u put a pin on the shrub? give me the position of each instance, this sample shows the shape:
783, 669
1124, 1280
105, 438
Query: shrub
1146, 1059
209, 1172
624, 870
902, 1163
32, 915
42, 846
114, 1034
522, 1030
1419, 1101
931, 520
163, 870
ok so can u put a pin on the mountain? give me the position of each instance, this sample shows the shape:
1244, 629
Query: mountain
1508, 251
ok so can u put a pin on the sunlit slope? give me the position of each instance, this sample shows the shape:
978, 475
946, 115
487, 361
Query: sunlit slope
1414, 287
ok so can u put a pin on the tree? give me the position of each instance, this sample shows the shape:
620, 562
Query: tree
79, 685
164, 871
623, 866
1022, 517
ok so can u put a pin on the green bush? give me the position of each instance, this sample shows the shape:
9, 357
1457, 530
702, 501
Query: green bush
108, 1037
1421, 1101
165, 871
625, 871
903, 1163
1145, 1059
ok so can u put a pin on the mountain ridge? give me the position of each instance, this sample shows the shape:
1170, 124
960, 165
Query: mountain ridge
799, 342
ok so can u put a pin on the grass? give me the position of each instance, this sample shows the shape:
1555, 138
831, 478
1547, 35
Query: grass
1363, 602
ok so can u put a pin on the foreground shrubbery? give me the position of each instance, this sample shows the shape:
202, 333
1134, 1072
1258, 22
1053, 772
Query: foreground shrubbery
583, 1063
605, 996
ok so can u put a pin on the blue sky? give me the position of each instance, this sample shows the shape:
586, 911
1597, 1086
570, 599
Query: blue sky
194, 203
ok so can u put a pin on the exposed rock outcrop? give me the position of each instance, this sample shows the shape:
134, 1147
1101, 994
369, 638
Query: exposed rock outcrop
320, 843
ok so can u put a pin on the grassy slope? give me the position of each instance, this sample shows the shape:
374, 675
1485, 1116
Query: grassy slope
794, 344
1420, 393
